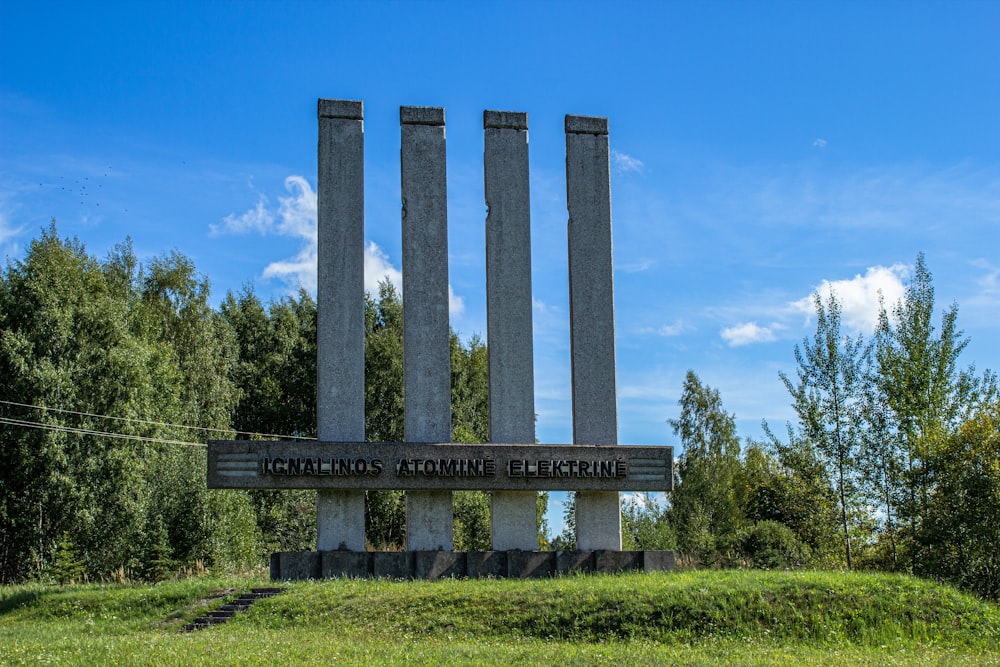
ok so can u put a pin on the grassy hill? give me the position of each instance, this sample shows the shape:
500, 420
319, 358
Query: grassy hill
730, 617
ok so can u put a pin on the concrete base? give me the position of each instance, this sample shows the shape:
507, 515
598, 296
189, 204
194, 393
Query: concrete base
514, 564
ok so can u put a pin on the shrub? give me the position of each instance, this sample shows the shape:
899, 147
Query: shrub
769, 545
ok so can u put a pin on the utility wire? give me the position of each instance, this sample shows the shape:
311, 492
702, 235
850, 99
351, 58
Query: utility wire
103, 434
154, 423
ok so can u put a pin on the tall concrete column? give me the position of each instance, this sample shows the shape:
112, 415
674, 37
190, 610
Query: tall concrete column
508, 315
592, 317
426, 343
340, 408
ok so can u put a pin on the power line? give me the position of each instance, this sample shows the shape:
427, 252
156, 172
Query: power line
102, 434
155, 423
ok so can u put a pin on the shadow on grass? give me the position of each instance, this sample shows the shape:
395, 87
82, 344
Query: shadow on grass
17, 600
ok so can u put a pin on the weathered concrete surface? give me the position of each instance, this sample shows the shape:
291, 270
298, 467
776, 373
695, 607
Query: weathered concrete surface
592, 318
486, 564
340, 298
262, 464
296, 565
438, 564
508, 314
515, 564
426, 344
392, 564
531, 564
349, 564
570, 562
657, 561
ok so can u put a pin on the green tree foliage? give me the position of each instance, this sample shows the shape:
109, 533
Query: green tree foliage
705, 506
827, 398
105, 338
926, 397
769, 545
646, 524
66, 567
788, 483
963, 515
275, 375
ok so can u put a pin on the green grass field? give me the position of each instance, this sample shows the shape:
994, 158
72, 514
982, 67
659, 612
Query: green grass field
690, 618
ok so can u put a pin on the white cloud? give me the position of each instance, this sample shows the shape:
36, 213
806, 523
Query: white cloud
820, 143
859, 296
665, 330
747, 333
258, 219
295, 217
637, 266
7, 233
625, 163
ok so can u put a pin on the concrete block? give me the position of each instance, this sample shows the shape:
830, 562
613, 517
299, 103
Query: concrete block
299, 565
436, 564
392, 564
658, 561
421, 115
347, 109
586, 124
505, 120
275, 567
346, 564
608, 561
571, 562
531, 564
486, 564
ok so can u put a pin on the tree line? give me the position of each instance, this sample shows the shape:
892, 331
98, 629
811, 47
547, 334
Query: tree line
893, 462
90, 346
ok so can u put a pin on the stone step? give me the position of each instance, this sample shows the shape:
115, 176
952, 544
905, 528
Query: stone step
228, 610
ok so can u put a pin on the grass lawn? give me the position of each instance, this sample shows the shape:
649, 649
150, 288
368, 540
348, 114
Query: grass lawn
690, 618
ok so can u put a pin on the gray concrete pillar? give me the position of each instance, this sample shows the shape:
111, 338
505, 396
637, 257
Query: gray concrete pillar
426, 344
592, 317
340, 409
508, 315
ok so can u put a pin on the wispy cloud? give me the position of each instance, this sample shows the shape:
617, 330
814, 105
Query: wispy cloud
665, 330
8, 233
820, 144
637, 266
859, 296
748, 333
625, 163
295, 217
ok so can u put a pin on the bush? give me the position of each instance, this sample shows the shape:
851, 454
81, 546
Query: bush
769, 545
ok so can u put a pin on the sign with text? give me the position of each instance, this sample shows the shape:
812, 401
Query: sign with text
256, 464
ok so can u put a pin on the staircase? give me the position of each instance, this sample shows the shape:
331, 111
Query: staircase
230, 609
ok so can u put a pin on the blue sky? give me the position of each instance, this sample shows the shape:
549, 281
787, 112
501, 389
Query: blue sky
761, 150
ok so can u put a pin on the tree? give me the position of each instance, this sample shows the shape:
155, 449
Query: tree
645, 524
788, 483
963, 518
705, 509
827, 399
926, 396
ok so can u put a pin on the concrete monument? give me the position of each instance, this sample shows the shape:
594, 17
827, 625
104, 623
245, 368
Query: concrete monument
428, 466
